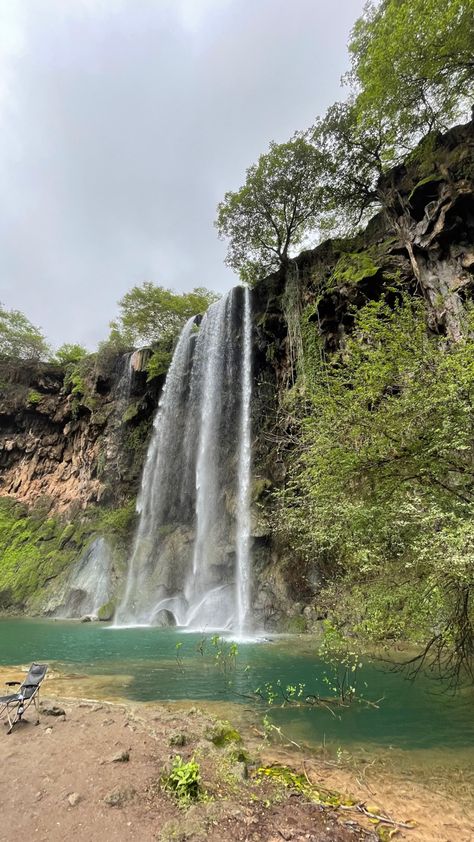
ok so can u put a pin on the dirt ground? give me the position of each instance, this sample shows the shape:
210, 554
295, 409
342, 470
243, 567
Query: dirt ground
93, 772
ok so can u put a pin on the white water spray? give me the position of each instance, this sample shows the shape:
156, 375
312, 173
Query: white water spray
244, 478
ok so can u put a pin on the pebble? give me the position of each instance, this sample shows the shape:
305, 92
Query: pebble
121, 757
74, 798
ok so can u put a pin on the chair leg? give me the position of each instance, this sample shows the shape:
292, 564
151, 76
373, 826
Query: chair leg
36, 704
12, 722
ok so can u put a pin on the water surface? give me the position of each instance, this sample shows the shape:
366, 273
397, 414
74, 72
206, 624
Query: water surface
145, 664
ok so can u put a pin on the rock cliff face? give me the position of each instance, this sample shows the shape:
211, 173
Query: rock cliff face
424, 239
76, 445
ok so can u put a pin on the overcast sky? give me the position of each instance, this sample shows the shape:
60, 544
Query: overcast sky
122, 124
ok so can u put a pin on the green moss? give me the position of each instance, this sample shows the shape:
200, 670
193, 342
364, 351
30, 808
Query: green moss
422, 182
299, 783
66, 535
222, 733
259, 486
35, 548
116, 521
31, 552
353, 268
106, 612
130, 413
296, 625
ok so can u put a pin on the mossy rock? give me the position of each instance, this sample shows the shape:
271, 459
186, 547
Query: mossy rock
259, 486
355, 267
66, 535
107, 611
295, 625
130, 413
221, 733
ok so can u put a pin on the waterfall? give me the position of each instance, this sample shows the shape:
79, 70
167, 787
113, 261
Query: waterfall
158, 482
244, 478
190, 563
88, 586
124, 384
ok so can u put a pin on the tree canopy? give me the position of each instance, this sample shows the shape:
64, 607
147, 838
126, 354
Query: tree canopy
70, 352
150, 313
19, 338
413, 65
275, 210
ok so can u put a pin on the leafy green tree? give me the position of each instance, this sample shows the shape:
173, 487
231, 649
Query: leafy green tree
381, 481
413, 63
20, 339
354, 161
150, 313
275, 211
70, 353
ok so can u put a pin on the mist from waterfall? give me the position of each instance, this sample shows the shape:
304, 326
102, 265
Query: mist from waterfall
190, 563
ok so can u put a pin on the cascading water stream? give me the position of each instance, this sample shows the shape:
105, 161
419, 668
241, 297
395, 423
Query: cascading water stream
185, 566
156, 482
244, 478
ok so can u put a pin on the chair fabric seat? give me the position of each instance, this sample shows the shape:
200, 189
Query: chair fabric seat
13, 697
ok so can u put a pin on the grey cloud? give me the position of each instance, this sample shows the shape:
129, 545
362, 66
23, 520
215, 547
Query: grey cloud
122, 126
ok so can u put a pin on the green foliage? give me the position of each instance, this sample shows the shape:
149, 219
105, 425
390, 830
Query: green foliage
69, 353
150, 313
19, 338
34, 397
343, 662
183, 781
160, 360
381, 484
276, 209
75, 382
354, 156
412, 63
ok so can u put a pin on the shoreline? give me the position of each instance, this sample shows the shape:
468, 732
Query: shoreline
99, 726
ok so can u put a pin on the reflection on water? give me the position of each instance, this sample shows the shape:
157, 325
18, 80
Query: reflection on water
144, 664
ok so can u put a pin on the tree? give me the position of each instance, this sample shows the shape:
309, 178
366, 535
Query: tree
380, 481
151, 313
20, 339
413, 62
354, 161
276, 209
69, 353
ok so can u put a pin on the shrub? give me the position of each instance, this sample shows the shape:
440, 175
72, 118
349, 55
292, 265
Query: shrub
183, 781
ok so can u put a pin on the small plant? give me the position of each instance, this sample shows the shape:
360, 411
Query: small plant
34, 397
179, 659
343, 664
225, 654
183, 781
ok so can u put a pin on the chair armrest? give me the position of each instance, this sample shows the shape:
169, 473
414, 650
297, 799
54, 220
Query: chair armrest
12, 683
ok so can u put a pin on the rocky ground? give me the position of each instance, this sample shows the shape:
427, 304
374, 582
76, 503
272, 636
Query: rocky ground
94, 770
94, 773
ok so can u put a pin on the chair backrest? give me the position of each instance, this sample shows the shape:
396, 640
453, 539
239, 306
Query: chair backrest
35, 676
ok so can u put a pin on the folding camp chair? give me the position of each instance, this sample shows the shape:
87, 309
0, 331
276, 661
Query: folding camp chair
15, 704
